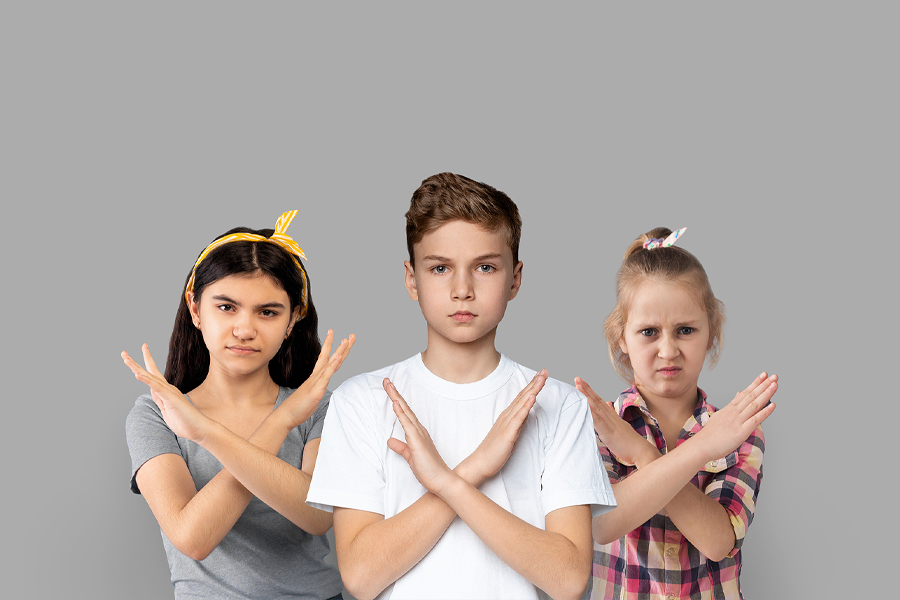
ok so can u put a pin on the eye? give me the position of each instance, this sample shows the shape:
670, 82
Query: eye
439, 269
486, 269
685, 330
225, 307
268, 313
649, 332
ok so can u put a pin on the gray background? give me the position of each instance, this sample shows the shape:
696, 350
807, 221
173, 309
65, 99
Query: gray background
132, 134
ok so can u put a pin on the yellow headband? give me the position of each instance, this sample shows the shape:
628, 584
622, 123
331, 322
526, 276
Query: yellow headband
279, 237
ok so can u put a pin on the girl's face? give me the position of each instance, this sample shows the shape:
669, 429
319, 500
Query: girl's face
244, 320
666, 338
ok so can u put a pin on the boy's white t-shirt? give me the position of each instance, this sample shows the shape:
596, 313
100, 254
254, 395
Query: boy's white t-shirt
555, 464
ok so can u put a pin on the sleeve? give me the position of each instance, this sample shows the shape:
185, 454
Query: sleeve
615, 470
147, 436
572, 472
350, 466
736, 486
317, 420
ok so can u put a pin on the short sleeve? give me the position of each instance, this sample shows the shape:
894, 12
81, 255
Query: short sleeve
350, 465
736, 487
572, 473
147, 436
319, 417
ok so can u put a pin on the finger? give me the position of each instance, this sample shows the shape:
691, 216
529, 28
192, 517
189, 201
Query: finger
344, 349
521, 414
400, 448
399, 402
582, 386
760, 400
140, 373
745, 397
324, 352
148, 360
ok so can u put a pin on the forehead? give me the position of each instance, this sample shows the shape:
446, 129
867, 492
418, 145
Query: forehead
655, 302
257, 288
461, 240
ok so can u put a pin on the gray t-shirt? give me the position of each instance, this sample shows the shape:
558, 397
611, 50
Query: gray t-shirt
264, 555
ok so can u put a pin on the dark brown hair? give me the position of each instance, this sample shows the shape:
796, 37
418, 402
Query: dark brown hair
447, 197
667, 265
188, 361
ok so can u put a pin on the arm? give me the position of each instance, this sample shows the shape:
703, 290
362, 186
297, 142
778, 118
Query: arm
664, 481
197, 521
374, 552
557, 559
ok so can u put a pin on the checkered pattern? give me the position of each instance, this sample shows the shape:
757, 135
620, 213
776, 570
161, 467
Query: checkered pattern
656, 562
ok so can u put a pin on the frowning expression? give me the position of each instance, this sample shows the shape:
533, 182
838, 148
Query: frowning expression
666, 338
244, 320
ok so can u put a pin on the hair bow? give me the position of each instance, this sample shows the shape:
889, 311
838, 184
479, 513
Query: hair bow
664, 243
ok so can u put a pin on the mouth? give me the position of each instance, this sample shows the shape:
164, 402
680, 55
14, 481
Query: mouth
669, 371
243, 350
462, 316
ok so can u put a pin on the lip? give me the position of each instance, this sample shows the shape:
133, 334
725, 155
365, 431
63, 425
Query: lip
243, 350
669, 371
462, 316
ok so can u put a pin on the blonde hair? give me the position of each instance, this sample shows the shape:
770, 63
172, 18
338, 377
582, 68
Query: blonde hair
664, 265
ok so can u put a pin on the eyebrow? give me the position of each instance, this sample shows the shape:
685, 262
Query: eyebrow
224, 298
482, 258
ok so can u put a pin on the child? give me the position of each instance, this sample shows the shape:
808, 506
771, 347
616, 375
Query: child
685, 475
245, 335
462, 441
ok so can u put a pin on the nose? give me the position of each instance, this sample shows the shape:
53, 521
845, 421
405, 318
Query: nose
462, 286
244, 327
668, 347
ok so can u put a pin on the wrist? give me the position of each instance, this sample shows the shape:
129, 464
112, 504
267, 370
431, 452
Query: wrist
469, 473
450, 486
647, 456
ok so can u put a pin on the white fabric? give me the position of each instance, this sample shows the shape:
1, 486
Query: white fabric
555, 464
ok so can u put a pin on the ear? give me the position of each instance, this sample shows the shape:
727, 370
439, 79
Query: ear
622, 346
517, 280
295, 316
409, 280
194, 308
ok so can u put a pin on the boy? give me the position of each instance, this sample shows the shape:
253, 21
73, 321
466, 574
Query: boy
461, 440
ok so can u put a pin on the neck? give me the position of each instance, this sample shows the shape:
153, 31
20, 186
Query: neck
227, 389
461, 362
670, 409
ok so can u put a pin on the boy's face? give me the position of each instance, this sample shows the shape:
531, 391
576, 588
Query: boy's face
463, 278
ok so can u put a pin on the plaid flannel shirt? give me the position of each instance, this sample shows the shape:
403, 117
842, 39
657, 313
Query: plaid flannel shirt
656, 562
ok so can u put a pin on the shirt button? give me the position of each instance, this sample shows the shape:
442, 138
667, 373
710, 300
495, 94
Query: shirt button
670, 552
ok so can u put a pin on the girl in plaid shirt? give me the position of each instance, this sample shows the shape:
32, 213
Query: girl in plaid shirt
685, 475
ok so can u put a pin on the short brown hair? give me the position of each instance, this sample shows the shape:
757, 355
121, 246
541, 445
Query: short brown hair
447, 197
668, 265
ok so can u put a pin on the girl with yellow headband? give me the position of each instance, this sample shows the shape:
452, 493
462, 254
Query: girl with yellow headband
244, 388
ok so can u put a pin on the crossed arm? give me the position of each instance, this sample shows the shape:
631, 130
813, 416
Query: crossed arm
373, 552
196, 521
663, 481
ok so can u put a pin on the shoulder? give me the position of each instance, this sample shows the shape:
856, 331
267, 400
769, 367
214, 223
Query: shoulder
364, 384
143, 412
555, 393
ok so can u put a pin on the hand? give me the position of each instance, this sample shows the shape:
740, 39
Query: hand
180, 415
419, 451
730, 426
498, 445
303, 402
616, 434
